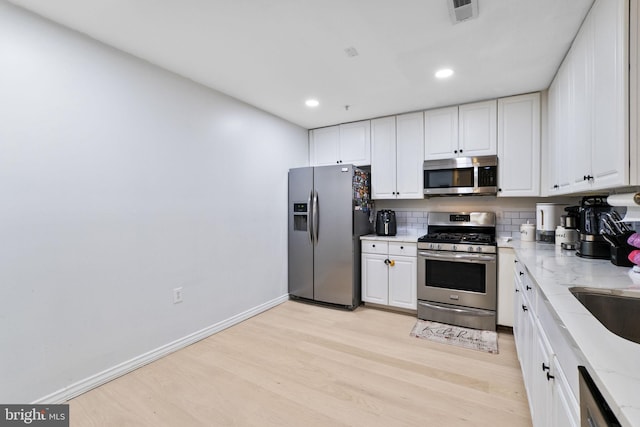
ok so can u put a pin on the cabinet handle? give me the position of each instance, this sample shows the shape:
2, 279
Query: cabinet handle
549, 376
455, 151
544, 367
401, 247
461, 150
587, 178
524, 307
556, 186
517, 290
515, 261
528, 287
522, 273
499, 190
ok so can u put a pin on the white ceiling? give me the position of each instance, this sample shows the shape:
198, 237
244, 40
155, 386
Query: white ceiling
274, 54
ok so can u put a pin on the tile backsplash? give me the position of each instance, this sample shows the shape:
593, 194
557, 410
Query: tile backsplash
507, 222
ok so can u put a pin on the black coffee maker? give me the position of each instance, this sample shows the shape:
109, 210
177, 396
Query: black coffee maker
386, 223
591, 243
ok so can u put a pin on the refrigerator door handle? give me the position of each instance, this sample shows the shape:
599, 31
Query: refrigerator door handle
314, 215
310, 214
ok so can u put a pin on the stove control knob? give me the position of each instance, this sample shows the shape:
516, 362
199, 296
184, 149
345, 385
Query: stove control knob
454, 248
470, 249
479, 249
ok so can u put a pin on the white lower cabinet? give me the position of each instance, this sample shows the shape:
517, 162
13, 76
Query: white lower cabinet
389, 273
551, 401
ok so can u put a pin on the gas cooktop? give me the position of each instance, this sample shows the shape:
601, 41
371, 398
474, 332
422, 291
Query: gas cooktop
460, 231
445, 237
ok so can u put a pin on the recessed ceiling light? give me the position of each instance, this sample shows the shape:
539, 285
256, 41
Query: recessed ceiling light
311, 103
444, 73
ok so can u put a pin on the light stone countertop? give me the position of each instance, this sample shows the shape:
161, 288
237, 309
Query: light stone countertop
407, 237
612, 362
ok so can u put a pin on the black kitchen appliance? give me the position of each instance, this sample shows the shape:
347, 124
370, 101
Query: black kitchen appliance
386, 224
592, 244
571, 220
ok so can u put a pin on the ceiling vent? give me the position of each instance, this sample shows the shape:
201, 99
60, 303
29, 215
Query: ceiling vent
462, 10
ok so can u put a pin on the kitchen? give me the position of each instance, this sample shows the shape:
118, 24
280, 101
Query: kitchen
90, 205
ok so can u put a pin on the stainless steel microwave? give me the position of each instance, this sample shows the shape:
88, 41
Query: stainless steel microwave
461, 175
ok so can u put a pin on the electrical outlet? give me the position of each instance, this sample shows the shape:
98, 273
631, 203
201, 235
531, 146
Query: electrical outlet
177, 295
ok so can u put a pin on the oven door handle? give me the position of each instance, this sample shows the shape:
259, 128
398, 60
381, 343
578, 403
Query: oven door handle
457, 256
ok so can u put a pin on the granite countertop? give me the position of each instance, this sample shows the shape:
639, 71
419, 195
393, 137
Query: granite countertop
613, 362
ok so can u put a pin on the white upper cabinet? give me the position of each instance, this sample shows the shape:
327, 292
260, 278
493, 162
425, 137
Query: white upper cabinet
519, 146
349, 143
441, 133
610, 147
409, 155
477, 129
465, 130
383, 158
396, 157
588, 104
324, 145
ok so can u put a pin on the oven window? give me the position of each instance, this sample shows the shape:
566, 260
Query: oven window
460, 276
446, 178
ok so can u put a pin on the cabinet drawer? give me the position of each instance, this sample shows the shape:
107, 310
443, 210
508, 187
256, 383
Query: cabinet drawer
375, 247
403, 248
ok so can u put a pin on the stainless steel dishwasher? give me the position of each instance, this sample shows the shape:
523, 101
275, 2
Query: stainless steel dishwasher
594, 410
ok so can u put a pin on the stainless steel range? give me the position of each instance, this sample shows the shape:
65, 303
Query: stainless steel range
457, 269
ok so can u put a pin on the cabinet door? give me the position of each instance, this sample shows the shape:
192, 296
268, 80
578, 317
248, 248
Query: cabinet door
565, 408
477, 129
409, 155
403, 282
563, 154
610, 152
383, 158
557, 179
355, 143
519, 145
375, 273
541, 387
441, 133
324, 144
580, 123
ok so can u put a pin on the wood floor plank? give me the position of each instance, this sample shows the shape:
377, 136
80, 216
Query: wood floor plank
304, 365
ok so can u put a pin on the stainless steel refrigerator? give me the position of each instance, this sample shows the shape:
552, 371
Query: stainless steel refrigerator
329, 209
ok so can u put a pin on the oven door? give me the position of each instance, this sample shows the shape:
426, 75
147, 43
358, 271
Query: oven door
458, 278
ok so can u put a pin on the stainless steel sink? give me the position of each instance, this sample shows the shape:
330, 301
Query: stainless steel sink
618, 310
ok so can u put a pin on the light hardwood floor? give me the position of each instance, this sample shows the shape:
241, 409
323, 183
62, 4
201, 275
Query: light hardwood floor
304, 365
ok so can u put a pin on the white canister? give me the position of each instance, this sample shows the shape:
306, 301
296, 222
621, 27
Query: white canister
528, 232
566, 235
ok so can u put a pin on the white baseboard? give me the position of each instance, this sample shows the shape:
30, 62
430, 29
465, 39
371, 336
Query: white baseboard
107, 375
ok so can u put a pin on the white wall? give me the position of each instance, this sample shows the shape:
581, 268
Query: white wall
118, 182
